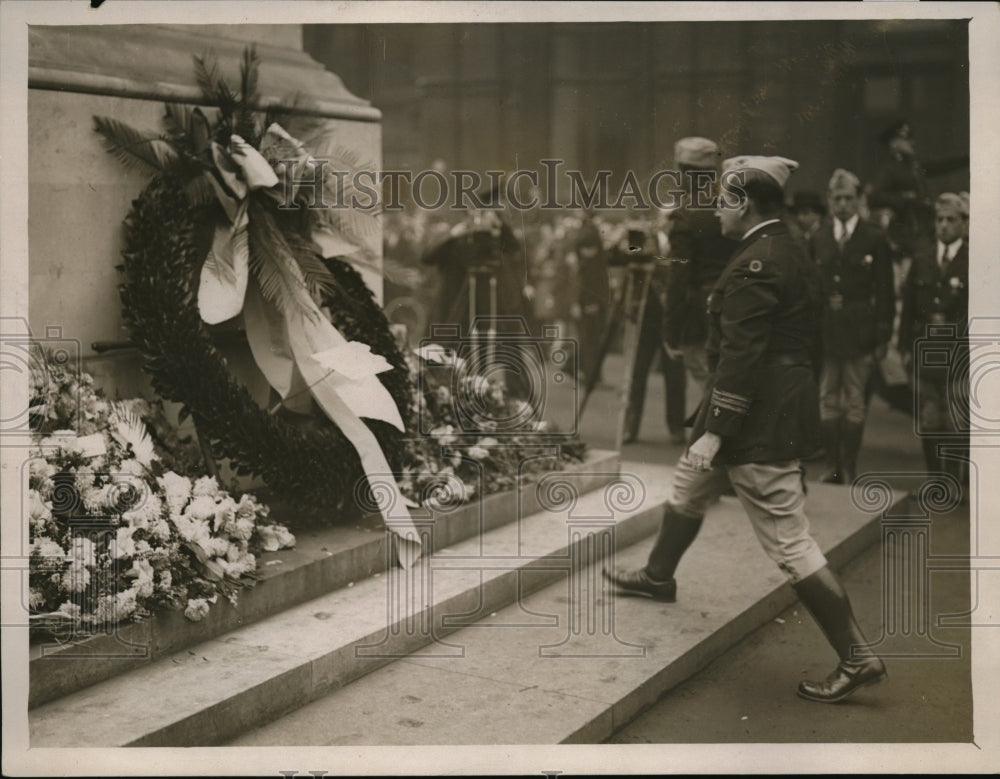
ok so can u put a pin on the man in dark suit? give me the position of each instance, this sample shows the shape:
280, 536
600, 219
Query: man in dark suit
759, 416
936, 313
859, 307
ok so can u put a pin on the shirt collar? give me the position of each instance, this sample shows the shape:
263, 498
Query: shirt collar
757, 227
848, 226
950, 249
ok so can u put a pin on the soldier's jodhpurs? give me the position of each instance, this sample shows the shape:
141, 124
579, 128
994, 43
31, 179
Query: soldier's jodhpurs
773, 497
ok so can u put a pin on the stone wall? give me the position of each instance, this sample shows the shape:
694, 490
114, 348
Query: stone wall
78, 194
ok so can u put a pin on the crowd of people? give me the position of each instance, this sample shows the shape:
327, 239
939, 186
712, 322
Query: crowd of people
876, 245
780, 315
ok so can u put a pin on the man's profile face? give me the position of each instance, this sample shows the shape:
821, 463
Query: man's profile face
731, 218
949, 225
843, 202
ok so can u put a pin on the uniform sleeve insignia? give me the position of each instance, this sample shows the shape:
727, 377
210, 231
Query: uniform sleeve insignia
756, 266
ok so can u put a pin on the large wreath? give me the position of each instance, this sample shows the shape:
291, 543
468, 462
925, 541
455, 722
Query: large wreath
168, 234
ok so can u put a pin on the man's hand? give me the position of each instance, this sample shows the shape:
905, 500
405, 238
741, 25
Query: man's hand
703, 451
672, 353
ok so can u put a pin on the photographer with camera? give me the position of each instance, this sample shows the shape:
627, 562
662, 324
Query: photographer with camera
484, 281
640, 253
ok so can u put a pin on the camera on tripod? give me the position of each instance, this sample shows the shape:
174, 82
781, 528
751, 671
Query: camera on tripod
637, 249
483, 250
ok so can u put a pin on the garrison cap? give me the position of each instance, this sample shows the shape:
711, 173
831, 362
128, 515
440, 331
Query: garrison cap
696, 152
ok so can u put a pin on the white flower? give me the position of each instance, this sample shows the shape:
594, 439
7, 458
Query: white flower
201, 508
247, 507
225, 515
206, 485
76, 578
444, 434
478, 453
215, 546
166, 579
160, 529
243, 528
40, 469
132, 467
285, 537
124, 545
146, 513
268, 538
194, 530
83, 551
125, 602
46, 547
176, 491
38, 508
70, 609
487, 442
196, 610
143, 572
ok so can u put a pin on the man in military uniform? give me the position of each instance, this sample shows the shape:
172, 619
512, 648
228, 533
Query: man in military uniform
699, 252
759, 416
859, 308
936, 308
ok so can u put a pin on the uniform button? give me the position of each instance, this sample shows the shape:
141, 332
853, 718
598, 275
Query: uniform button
836, 279
937, 300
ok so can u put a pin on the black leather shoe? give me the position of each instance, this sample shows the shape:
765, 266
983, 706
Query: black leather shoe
849, 676
637, 582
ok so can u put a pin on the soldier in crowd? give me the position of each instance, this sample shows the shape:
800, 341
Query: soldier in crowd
759, 416
858, 312
936, 311
700, 252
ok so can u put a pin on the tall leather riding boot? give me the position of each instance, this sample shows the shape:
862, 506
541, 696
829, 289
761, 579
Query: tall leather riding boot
824, 595
656, 578
831, 444
852, 434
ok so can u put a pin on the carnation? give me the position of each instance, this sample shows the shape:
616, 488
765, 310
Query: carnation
206, 485
76, 578
196, 610
225, 514
201, 507
143, 572
176, 491
46, 547
124, 545
35, 599
147, 512
40, 469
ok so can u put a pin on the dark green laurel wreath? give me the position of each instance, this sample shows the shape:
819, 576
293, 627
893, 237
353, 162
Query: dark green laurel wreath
166, 240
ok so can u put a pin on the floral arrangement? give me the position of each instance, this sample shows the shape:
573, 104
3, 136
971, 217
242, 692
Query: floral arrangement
212, 238
115, 534
478, 436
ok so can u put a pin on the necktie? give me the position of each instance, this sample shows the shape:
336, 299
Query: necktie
843, 236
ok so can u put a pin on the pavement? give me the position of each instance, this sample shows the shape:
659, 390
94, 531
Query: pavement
748, 693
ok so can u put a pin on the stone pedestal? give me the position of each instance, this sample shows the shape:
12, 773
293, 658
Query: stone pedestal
79, 194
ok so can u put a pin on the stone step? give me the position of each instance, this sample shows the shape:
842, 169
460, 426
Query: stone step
217, 689
324, 559
540, 672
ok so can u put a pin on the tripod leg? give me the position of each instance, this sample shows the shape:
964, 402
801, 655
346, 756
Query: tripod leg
631, 345
607, 336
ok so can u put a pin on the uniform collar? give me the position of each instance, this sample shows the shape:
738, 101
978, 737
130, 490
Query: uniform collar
759, 226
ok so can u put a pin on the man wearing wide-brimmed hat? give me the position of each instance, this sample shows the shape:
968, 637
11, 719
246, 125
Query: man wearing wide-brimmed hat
760, 415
